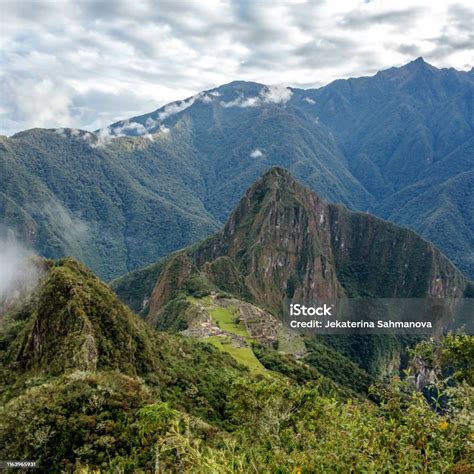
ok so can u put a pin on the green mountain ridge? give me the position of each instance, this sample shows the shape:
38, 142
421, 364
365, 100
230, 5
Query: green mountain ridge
73, 342
283, 241
397, 140
88, 386
67, 197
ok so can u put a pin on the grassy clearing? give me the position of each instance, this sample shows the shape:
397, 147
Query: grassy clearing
243, 355
226, 320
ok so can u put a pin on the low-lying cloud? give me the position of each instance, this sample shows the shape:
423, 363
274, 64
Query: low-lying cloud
175, 107
257, 153
267, 95
276, 94
105, 135
19, 273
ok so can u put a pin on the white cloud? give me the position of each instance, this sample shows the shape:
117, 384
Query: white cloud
18, 272
267, 95
233, 103
151, 123
73, 230
43, 103
133, 127
107, 134
176, 107
241, 101
309, 100
104, 137
256, 153
206, 99
276, 94
88, 64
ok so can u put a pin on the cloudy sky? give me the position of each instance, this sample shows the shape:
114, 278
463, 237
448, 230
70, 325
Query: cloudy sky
87, 63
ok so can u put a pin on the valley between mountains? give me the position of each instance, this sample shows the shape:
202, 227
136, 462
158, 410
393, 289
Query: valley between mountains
398, 145
146, 332
222, 387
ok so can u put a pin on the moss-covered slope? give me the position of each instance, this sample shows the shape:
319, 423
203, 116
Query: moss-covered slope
86, 386
73, 322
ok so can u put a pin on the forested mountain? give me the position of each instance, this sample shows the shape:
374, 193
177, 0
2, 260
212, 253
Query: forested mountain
407, 135
87, 386
283, 241
398, 144
112, 208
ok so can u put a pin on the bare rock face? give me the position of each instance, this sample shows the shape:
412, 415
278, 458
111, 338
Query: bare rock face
283, 241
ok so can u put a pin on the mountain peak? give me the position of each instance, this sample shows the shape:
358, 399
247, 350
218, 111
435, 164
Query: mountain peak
410, 69
277, 173
419, 64
276, 187
77, 323
282, 241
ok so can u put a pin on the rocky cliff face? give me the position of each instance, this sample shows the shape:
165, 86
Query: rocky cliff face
283, 241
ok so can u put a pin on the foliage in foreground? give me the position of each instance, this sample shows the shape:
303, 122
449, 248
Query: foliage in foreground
158, 402
113, 423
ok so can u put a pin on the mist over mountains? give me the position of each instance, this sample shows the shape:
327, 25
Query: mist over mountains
398, 145
19, 273
207, 378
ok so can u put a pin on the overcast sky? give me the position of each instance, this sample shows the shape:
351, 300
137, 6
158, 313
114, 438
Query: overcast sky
87, 63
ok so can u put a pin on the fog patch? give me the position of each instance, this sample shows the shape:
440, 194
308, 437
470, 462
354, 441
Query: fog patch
276, 94
127, 129
256, 153
20, 271
267, 95
72, 229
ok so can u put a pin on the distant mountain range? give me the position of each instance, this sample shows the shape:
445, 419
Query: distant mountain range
399, 145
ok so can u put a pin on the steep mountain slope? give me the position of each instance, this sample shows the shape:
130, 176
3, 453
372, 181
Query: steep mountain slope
282, 241
87, 386
73, 322
110, 208
78, 359
444, 212
402, 120
74, 354
397, 140
240, 129
406, 133
400, 133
